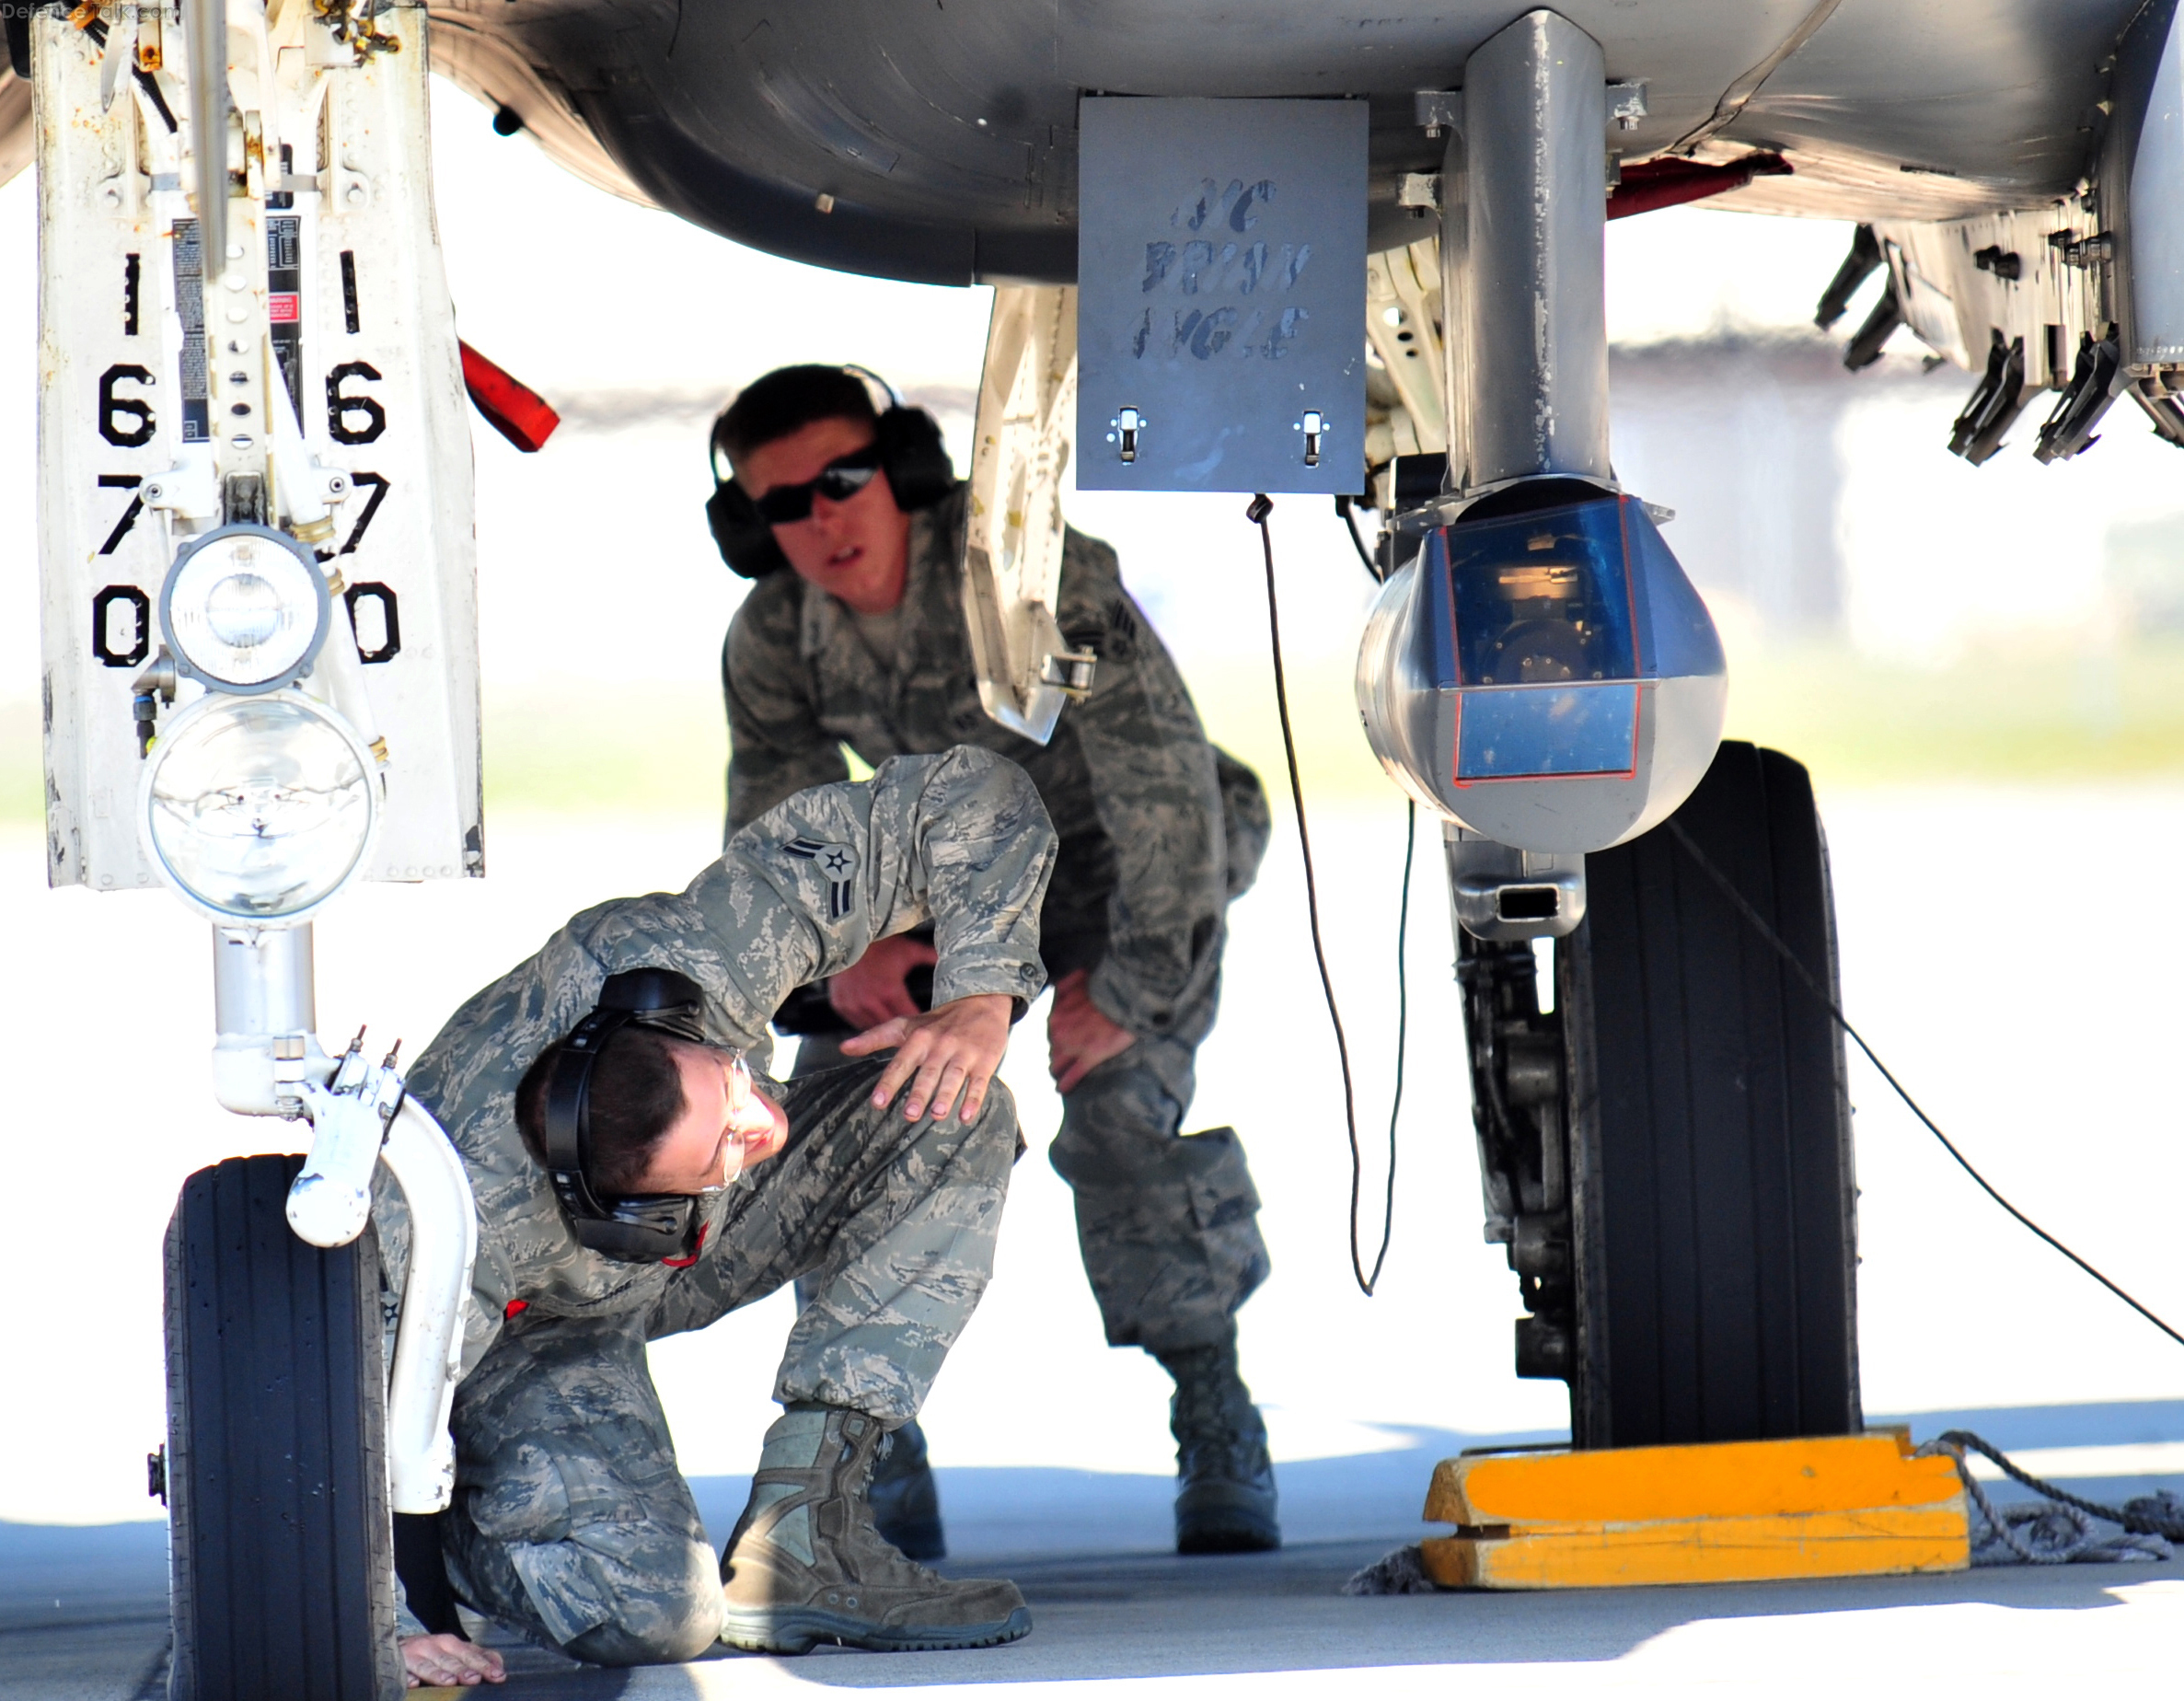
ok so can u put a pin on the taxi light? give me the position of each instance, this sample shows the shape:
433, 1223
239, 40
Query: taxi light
245, 609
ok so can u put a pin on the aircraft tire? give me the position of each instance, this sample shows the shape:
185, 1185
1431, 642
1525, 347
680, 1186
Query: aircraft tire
1712, 1189
281, 1553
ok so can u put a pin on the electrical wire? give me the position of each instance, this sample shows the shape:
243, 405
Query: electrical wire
1261, 506
1402, 1018
1350, 520
1758, 925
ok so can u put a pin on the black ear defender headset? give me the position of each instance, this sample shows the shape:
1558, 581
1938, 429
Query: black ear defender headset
906, 446
642, 1228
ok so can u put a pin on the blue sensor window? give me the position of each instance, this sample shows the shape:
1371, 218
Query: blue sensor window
1536, 620
1540, 598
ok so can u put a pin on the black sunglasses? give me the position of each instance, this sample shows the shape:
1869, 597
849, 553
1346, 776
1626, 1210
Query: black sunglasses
838, 481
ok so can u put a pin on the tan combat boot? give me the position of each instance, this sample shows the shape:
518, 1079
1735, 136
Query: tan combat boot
806, 1565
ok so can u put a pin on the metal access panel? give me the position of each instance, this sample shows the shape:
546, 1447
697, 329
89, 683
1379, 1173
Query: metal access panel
145, 382
1221, 281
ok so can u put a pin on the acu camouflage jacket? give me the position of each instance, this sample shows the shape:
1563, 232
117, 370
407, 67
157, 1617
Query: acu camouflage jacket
1159, 830
959, 841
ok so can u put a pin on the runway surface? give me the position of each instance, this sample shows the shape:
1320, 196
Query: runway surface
1052, 1448
83, 1610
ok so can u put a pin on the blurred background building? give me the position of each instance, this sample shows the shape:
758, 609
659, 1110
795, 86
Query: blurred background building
1742, 434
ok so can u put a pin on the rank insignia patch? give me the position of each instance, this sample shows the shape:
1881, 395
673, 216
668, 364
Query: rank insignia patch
838, 863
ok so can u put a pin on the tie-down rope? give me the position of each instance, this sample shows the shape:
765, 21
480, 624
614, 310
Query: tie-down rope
2030, 1533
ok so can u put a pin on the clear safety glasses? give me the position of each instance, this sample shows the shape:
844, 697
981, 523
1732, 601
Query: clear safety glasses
749, 1118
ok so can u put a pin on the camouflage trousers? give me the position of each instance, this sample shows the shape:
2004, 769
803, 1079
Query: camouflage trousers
1167, 1222
571, 1521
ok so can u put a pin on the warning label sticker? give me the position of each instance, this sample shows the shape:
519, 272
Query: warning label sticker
190, 308
284, 302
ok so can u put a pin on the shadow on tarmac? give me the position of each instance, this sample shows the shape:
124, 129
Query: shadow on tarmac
83, 1610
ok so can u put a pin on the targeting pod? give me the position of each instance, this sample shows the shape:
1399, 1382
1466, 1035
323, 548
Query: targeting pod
1546, 678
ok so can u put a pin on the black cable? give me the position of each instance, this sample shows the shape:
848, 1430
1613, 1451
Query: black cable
1759, 924
1261, 506
1350, 520
1402, 1018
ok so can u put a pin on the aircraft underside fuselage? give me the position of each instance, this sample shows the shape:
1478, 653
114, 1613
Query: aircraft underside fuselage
943, 137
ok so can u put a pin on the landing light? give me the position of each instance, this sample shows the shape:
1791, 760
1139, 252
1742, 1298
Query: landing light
259, 808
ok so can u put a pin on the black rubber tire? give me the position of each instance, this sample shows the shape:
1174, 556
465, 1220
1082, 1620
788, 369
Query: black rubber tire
282, 1566
1712, 1189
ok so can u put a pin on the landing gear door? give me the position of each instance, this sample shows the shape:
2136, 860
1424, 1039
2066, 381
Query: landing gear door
316, 387
1012, 549
1220, 254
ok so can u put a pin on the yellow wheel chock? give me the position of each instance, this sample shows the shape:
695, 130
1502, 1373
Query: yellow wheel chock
1718, 1512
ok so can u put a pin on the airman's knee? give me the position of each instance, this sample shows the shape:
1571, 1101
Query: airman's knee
666, 1622
617, 1645
996, 1135
999, 1109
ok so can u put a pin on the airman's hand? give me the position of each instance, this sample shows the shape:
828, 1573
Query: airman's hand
1079, 1037
954, 1050
448, 1659
871, 990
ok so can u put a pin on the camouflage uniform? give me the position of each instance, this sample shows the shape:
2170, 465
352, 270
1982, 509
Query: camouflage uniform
571, 1521
1158, 832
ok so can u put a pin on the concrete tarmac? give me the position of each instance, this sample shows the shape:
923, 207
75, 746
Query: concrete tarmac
82, 1611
